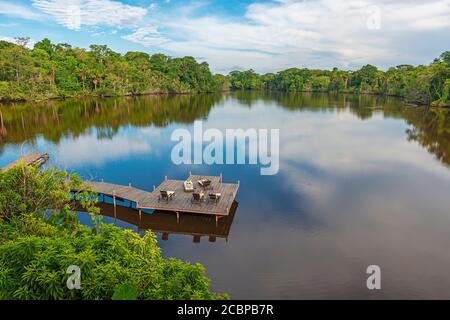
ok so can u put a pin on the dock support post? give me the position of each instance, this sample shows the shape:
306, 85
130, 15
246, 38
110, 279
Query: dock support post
217, 220
140, 211
114, 198
178, 217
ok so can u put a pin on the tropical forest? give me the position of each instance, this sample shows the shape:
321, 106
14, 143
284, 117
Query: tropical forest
60, 70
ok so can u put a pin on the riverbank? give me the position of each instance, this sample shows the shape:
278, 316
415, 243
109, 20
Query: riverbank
101, 96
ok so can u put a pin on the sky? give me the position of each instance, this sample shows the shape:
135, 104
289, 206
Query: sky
265, 35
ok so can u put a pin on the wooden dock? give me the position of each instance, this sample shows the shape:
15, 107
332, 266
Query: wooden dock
36, 159
182, 200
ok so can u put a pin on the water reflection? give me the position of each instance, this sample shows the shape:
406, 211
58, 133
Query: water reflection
363, 106
74, 118
431, 129
165, 223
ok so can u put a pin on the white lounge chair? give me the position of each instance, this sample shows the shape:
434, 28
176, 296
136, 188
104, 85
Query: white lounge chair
188, 186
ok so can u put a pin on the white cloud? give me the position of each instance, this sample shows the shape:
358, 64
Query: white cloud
74, 14
19, 11
78, 151
147, 36
8, 39
313, 33
270, 36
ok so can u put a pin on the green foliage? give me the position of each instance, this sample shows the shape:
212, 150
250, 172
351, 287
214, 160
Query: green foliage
50, 70
445, 56
125, 291
422, 84
59, 70
248, 80
39, 240
25, 189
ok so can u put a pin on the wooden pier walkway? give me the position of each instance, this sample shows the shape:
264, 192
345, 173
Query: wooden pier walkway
181, 201
37, 159
119, 192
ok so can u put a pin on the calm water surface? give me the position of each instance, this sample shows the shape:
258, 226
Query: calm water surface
362, 180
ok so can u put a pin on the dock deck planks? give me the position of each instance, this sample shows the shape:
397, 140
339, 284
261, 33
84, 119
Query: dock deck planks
119, 191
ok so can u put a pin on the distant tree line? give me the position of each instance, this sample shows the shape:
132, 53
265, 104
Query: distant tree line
60, 70
429, 85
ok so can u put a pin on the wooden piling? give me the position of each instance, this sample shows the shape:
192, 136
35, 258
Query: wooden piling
140, 211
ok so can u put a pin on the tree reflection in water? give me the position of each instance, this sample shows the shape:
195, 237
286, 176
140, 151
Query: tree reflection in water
73, 117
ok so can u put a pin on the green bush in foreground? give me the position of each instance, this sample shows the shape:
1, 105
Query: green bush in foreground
37, 247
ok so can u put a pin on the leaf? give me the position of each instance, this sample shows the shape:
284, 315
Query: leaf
125, 291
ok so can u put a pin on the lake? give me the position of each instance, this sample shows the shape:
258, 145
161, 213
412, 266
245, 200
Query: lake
363, 180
